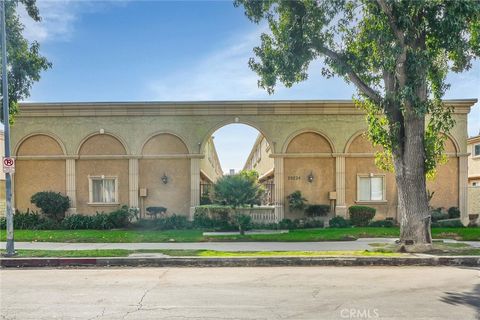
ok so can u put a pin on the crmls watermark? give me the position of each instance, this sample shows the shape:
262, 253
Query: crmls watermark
354, 313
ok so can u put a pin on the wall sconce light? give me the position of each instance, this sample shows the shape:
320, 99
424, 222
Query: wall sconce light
310, 177
164, 179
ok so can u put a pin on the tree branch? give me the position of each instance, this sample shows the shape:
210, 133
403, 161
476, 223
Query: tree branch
392, 21
361, 85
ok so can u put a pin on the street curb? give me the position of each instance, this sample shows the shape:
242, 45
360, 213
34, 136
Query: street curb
465, 261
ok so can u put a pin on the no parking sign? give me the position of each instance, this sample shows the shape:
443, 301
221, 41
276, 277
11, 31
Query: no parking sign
8, 165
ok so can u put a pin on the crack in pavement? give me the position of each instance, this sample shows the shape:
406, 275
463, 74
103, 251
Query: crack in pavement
99, 315
140, 302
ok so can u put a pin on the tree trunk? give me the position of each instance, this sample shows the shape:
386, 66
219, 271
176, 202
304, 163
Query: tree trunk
411, 183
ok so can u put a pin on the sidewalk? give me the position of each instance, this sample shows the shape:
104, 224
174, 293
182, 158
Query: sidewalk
360, 244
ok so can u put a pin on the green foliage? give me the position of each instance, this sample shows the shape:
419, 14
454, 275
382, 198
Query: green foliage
317, 210
448, 223
78, 222
288, 224
52, 204
25, 64
438, 214
311, 223
173, 222
382, 223
29, 221
155, 211
296, 201
101, 221
205, 198
453, 213
237, 190
213, 216
397, 54
339, 222
242, 221
120, 218
250, 174
360, 216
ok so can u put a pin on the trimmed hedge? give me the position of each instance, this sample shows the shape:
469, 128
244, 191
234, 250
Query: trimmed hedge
360, 216
172, 222
53, 204
382, 223
438, 214
453, 213
339, 222
214, 217
317, 210
448, 223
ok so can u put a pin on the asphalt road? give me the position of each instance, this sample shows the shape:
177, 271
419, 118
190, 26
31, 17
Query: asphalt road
242, 293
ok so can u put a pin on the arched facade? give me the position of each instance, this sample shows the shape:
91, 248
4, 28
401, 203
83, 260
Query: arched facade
101, 174
309, 167
165, 155
136, 144
38, 167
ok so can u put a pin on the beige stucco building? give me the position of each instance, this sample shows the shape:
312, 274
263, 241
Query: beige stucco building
473, 148
103, 155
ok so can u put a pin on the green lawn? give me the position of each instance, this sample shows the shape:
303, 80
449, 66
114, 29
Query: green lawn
194, 253
439, 248
330, 234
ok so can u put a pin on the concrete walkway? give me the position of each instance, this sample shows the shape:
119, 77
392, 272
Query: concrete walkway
360, 244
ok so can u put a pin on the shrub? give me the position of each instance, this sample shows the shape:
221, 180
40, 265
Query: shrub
237, 190
29, 221
205, 199
78, 222
164, 223
52, 204
338, 222
438, 214
287, 224
448, 223
242, 221
120, 218
360, 216
317, 210
453, 213
213, 216
382, 223
154, 211
296, 201
102, 221
201, 219
310, 223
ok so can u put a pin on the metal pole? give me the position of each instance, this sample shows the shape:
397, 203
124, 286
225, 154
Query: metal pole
8, 179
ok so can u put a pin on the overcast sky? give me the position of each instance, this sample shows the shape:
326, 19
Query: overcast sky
181, 50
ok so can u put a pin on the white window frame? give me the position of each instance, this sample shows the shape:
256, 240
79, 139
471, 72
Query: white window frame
90, 190
473, 150
384, 185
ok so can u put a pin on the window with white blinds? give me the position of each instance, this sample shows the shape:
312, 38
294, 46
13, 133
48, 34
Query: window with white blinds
371, 188
103, 190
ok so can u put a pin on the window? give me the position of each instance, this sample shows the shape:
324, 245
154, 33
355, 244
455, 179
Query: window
474, 184
476, 150
371, 188
103, 190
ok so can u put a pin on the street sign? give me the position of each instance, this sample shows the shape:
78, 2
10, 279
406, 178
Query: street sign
8, 165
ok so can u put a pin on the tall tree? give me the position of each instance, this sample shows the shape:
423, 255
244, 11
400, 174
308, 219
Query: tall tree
397, 53
25, 63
